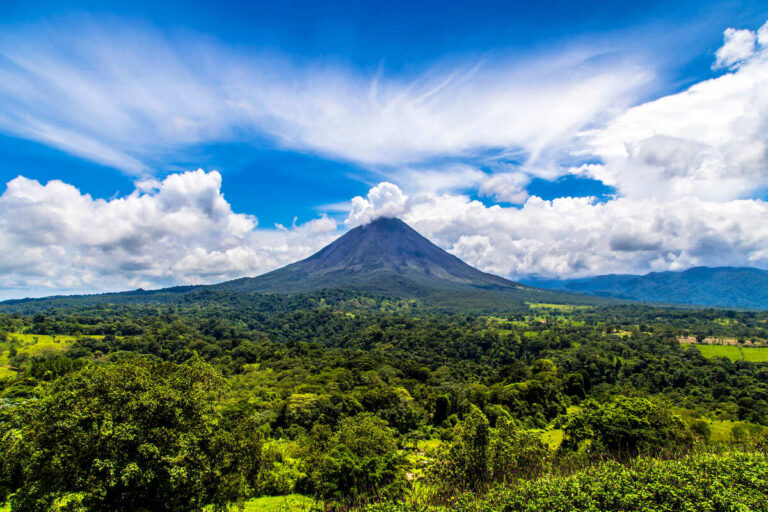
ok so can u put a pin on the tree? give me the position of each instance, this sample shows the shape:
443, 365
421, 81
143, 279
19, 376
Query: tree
135, 435
626, 427
466, 464
359, 463
516, 453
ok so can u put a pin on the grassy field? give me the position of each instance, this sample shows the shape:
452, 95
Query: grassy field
722, 430
553, 438
290, 503
734, 353
32, 345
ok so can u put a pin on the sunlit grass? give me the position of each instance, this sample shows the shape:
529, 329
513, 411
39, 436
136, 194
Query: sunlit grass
554, 438
734, 353
290, 503
32, 345
428, 444
720, 431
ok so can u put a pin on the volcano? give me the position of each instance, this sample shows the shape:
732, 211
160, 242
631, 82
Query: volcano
385, 256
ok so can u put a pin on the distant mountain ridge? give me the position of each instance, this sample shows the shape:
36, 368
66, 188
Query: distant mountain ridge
736, 287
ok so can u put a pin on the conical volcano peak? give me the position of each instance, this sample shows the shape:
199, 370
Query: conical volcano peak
384, 221
372, 256
386, 224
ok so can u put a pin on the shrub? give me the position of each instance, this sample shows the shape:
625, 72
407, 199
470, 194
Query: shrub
732, 482
626, 427
358, 464
701, 428
466, 464
517, 453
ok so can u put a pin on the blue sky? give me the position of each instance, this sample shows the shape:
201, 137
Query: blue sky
299, 107
402, 37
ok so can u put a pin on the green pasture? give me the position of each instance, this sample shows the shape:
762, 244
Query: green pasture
734, 352
32, 345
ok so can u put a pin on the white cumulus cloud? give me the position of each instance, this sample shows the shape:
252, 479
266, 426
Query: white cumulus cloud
508, 187
709, 141
738, 45
177, 231
383, 200
570, 237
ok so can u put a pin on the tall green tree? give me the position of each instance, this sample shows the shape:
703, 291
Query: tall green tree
359, 463
625, 427
466, 465
136, 435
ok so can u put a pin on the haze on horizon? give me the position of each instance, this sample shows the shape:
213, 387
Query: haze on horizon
149, 145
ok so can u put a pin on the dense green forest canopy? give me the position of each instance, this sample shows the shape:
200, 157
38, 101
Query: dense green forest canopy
351, 399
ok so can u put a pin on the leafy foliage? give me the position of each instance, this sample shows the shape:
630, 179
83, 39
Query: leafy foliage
358, 464
626, 427
353, 399
136, 435
732, 482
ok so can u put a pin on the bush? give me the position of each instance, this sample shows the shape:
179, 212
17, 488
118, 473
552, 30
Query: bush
626, 427
279, 473
701, 428
358, 464
480, 455
517, 454
466, 464
733, 482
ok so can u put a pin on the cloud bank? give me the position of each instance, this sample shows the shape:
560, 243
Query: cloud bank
574, 237
177, 231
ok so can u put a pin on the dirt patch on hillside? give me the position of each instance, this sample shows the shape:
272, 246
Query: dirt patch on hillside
691, 340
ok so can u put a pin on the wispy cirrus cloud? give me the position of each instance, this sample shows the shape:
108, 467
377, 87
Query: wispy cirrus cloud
127, 97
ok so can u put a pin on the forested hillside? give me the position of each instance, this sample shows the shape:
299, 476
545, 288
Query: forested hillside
358, 401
